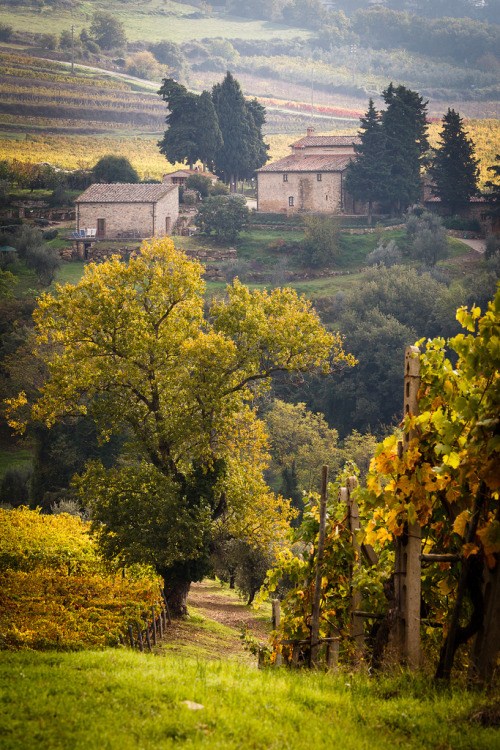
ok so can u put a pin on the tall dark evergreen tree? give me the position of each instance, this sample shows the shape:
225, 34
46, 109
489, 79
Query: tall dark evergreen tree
256, 114
494, 192
240, 123
454, 169
180, 141
193, 129
405, 127
366, 177
209, 133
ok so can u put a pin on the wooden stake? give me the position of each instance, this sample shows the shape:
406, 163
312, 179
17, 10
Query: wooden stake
276, 613
408, 567
153, 624
131, 637
319, 557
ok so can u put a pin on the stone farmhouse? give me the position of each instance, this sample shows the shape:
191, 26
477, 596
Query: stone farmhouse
310, 179
125, 210
180, 176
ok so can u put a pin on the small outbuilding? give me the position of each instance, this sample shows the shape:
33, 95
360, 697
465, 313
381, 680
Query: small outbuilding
126, 210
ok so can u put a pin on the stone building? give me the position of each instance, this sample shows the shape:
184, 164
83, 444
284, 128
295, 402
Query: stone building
126, 210
310, 179
180, 176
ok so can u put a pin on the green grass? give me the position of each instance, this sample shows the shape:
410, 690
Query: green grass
70, 273
124, 700
152, 21
10, 459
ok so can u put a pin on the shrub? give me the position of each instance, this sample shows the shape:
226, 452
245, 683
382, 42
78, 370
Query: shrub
321, 243
460, 224
427, 237
15, 486
387, 254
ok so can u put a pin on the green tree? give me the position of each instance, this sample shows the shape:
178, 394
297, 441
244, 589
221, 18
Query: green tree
493, 194
454, 169
321, 243
405, 128
107, 30
199, 182
427, 237
193, 129
134, 349
300, 442
113, 168
243, 149
223, 216
366, 176
169, 54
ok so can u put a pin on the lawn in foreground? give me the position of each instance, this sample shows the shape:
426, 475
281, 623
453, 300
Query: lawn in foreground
120, 699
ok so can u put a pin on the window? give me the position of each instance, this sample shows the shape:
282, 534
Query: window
285, 178
290, 201
319, 176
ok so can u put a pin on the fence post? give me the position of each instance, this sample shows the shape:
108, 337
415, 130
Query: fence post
357, 625
276, 613
153, 624
319, 557
407, 569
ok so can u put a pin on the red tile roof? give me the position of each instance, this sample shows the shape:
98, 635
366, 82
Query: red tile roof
326, 140
125, 193
312, 163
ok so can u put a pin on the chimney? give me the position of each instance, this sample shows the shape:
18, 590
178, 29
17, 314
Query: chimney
310, 131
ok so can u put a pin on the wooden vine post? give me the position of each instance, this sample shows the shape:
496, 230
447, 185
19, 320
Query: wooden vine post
407, 570
319, 557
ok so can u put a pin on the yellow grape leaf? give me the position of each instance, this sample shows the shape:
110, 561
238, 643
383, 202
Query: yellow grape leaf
461, 522
444, 587
470, 549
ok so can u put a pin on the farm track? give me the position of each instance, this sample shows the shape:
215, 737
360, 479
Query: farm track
217, 604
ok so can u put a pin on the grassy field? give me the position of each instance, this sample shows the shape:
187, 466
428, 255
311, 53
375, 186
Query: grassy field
154, 20
126, 700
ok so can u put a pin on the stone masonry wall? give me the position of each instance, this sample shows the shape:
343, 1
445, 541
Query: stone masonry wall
308, 193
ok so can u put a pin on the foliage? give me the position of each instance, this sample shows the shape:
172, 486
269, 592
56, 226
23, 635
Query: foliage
112, 168
56, 593
321, 243
454, 169
242, 564
366, 176
38, 256
388, 254
143, 65
299, 566
135, 352
240, 121
300, 441
449, 477
493, 187
404, 123
427, 237
193, 128
224, 216
107, 30
199, 182
492, 246
14, 486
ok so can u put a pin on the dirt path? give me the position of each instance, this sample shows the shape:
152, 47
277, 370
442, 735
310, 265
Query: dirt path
213, 628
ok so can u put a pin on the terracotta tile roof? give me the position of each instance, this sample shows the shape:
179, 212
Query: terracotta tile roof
326, 140
313, 163
125, 193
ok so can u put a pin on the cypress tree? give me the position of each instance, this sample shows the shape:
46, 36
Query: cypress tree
493, 195
454, 169
241, 123
209, 133
405, 127
233, 158
366, 177
180, 141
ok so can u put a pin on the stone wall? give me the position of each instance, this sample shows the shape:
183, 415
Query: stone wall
134, 219
309, 193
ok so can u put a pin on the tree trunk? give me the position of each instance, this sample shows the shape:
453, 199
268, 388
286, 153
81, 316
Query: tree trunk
176, 597
370, 212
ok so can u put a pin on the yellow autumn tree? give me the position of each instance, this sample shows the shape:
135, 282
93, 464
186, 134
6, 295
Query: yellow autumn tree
131, 346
